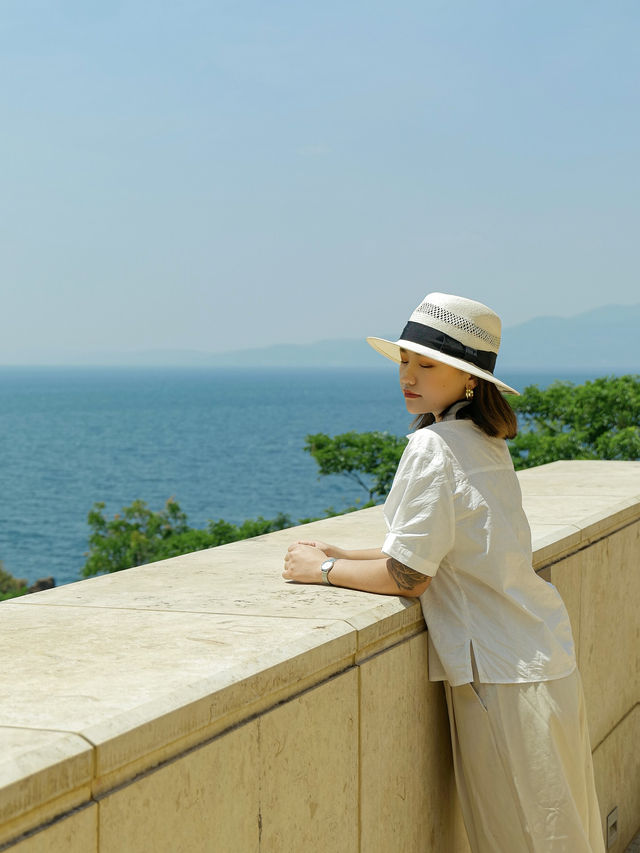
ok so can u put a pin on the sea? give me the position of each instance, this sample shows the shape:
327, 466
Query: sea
226, 443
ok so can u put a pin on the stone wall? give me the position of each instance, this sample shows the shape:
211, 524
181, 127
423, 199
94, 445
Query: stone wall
203, 704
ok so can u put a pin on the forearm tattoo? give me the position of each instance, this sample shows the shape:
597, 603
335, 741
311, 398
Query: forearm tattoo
405, 577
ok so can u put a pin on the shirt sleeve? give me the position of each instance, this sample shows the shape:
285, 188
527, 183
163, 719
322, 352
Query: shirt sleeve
419, 509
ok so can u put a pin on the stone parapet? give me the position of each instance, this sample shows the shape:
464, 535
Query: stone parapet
203, 704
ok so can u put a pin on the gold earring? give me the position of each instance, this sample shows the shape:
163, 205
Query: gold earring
468, 393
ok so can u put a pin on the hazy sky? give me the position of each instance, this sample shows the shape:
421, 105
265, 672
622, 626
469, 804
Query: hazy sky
216, 174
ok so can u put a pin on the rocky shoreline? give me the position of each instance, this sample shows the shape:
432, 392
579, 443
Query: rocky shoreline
11, 587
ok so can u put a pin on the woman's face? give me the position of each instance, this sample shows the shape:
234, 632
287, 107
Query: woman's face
431, 386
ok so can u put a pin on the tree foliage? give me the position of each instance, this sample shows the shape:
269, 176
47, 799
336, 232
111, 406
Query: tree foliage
368, 458
10, 587
139, 535
597, 420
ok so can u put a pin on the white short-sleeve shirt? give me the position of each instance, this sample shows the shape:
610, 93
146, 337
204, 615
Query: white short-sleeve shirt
455, 513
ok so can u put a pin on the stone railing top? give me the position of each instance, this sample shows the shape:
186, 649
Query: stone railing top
105, 678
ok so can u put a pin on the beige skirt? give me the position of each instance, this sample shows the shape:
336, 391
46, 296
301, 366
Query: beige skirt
523, 767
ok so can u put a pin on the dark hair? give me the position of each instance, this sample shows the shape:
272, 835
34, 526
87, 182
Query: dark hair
488, 410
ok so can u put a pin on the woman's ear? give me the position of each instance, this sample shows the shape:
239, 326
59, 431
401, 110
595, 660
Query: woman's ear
472, 381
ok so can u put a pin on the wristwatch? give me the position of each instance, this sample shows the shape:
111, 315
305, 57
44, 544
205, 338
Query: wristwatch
325, 568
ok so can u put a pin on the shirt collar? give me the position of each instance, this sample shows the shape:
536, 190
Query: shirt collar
453, 411
450, 416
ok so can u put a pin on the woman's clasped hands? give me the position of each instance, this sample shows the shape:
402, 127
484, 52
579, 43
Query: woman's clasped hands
303, 560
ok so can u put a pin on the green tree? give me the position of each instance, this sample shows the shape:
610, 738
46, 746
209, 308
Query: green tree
368, 458
10, 587
139, 535
597, 420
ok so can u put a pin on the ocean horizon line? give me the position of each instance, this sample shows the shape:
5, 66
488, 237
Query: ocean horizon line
519, 368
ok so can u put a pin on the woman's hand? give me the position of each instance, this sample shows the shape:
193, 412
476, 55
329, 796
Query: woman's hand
302, 562
328, 550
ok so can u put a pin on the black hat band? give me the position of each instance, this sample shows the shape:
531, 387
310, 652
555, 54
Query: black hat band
417, 333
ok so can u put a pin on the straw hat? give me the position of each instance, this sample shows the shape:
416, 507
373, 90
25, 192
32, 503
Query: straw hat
454, 330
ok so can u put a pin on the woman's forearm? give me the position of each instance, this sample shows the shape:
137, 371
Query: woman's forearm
376, 573
342, 553
363, 554
383, 575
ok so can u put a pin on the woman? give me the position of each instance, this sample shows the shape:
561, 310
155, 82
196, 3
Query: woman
499, 636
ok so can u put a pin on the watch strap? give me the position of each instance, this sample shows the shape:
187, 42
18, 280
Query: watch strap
325, 568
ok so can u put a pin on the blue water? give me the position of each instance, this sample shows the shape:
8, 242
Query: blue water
225, 443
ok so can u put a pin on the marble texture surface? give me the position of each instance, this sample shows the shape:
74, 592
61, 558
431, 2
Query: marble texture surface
404, 735
75, 833
309, 775
566, 576
161, 675
208, 798
578, 477
42, 774
63, 761
616, 767
610, 629
287, 780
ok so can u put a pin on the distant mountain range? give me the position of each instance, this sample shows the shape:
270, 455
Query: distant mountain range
603, 338
606, 338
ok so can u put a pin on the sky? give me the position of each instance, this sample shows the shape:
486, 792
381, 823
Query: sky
225, 175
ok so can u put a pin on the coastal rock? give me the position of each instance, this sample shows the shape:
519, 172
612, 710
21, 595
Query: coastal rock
43, 583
